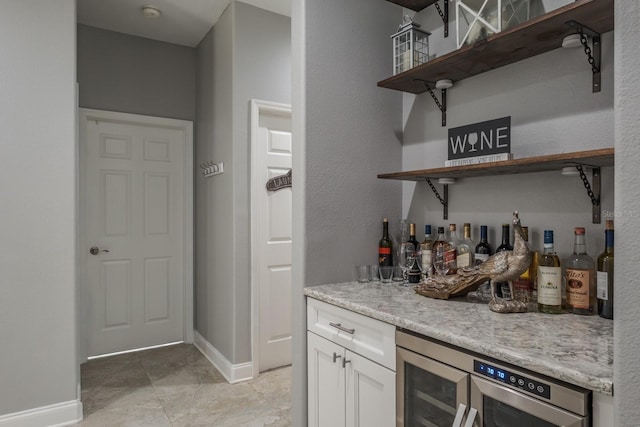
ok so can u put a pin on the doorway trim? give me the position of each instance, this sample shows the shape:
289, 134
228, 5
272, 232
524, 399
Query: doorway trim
118, 117
258, 107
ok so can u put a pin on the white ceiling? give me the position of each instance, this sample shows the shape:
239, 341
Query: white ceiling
183, 22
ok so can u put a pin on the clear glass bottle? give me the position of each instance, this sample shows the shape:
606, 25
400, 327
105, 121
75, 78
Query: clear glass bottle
425, 249
465, 248
605, 274
440, 250
580, 276
483, 248
549, 278
452, 253
385, 246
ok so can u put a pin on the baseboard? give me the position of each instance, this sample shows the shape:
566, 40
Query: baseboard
57, 415
232, 373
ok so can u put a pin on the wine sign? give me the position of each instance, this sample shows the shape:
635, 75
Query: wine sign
480, 139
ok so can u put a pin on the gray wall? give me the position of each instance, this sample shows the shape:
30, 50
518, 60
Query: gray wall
626, 369
345, 132
37, 183
246, 56
119, 72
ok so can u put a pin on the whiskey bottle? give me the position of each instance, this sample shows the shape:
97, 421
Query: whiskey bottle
452, 252
465, 248
425, 249
549, 278
605, 275
580, 276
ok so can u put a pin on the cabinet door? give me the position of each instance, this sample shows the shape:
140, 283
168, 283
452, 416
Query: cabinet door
370, 393
325, 382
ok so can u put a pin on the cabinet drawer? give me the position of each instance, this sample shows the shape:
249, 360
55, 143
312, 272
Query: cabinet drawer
364, 335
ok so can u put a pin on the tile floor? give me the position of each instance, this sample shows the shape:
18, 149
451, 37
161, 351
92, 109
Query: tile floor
177, 386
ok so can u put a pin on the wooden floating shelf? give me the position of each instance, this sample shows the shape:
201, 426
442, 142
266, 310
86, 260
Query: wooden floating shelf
596, 158
533, 37
416, 5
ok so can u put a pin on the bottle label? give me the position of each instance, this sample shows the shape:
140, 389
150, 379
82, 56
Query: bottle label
578, 288
603, 285
450, 260
549, 285
427, 261
384, 257
463, 260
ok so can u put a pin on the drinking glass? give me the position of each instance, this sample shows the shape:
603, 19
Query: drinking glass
440, 264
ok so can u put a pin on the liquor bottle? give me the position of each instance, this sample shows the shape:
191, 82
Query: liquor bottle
605, 274
504, 246
465, 248
452, 253
385, 247
483, 248
549, 278
439, 251
524, 285
425, 249
580, 276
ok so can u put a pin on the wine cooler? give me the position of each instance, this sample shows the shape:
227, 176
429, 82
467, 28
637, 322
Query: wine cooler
434, 379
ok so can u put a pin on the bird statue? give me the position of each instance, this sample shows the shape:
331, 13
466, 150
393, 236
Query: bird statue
505, 266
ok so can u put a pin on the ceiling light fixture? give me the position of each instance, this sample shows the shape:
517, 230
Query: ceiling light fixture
150, 12
444, 84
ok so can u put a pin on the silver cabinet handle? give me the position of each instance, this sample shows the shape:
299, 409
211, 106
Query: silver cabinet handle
94, 250
345, 361
342, 328
336, 356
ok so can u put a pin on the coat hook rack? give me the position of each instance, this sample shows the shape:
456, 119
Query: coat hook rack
210, 168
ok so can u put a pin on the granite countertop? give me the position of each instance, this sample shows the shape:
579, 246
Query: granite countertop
575, 349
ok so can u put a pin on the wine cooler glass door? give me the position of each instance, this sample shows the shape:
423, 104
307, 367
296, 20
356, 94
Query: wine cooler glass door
500, 406
428, 392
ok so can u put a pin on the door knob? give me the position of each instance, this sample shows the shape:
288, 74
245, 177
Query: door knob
96, 250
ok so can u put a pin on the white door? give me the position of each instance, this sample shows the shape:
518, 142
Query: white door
370, 393
326, 382
133, 194
271, 235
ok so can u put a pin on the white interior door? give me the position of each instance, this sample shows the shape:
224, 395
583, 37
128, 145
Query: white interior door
133, 193
271, 234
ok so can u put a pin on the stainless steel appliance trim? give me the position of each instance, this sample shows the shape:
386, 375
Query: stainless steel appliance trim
481, 387
565, 396
461, 379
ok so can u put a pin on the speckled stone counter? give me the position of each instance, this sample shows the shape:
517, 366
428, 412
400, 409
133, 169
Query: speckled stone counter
575, 349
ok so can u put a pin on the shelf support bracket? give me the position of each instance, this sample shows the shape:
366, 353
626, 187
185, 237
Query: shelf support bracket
593, 53
444, 15
441, 104
592, 191
444, 200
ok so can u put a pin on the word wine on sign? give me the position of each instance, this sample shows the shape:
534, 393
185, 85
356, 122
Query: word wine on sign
490, 140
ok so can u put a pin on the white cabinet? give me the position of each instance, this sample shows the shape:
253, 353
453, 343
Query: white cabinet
346, 388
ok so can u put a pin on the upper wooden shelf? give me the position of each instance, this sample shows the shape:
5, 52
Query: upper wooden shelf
597, 158
533, 37
416, 5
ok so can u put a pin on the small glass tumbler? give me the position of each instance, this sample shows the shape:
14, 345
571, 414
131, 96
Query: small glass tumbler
386, 274
362, 273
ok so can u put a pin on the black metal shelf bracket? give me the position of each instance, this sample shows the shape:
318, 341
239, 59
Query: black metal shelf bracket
593, 52
593, 191
444, 15
440, 103
444, 200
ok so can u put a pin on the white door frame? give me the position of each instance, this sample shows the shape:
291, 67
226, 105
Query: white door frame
187, 127
258, 107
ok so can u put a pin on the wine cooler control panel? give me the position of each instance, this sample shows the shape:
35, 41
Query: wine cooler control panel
513, 379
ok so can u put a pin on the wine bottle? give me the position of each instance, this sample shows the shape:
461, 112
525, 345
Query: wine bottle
504, 246
483, 248
549, 278
385, 247
580, 276
605, 274
412, 237
452, 252
465, 248
439, 251
425, 249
